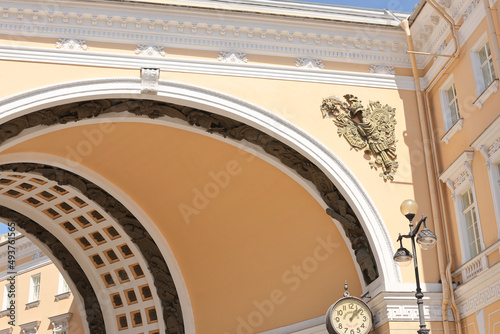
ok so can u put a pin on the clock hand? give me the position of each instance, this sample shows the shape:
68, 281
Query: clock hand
355, 313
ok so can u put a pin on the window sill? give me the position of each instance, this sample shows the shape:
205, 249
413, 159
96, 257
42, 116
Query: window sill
4, 313
63, 295
454, 129
32, 304
492, 88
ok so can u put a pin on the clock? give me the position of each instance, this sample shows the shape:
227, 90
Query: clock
349, 315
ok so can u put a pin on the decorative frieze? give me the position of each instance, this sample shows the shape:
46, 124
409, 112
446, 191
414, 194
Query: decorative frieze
494, 147
150, 50
72, 44
233, 57
479, 300
297, 40
470, 9
464, 176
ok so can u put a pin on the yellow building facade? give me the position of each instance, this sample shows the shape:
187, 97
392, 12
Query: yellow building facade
224, 167
43, 302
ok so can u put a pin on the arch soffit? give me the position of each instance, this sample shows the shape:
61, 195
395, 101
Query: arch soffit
236, 109
84, 229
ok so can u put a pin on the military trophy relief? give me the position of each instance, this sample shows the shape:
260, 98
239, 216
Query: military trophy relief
371, 128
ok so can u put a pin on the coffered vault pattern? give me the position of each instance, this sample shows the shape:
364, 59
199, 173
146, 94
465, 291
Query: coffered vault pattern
117, 249
338, 207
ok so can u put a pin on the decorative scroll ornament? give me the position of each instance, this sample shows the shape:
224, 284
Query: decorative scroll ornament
309, 63
373, 127
72, 44
150, 50
233, 57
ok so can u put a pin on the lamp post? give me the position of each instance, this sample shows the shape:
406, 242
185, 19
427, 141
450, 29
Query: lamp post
427, 240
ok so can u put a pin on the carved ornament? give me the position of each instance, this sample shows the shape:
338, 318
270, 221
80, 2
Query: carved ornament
371, 128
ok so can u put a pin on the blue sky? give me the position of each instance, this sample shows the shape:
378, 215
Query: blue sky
395, 5
3, 229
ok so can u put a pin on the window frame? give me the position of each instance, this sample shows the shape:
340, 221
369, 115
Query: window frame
477, 66
459, 179
63, 285
450, 127
6, 300
31, 298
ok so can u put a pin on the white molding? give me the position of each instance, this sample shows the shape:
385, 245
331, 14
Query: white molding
458, 126
64, 295
300, 327
20, 53
457, 167
32, 304
238, 109
492, 88
30, 327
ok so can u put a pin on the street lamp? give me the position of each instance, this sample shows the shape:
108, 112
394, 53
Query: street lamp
426, 239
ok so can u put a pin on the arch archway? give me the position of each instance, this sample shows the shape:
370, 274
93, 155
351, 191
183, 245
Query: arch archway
224, 115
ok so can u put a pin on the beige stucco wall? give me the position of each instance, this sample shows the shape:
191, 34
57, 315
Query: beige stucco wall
475, 122
48, 307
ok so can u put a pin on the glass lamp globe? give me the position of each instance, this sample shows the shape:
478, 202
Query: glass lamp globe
426, 239
403, 257
409, 207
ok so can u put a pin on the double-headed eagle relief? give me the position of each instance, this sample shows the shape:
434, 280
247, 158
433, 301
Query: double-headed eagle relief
373, 126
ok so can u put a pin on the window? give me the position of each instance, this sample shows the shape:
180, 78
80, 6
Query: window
6, 299
471, 226
63, 286
487, 69
34, 288
452, 105
484, 71
449, 105
459, 179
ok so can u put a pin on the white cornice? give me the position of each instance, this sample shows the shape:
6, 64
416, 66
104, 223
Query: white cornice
285, 8
430, 32
488, 136
58, 56
457, 167
192, 28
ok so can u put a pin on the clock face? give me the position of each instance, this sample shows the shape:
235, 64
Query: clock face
349, 315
